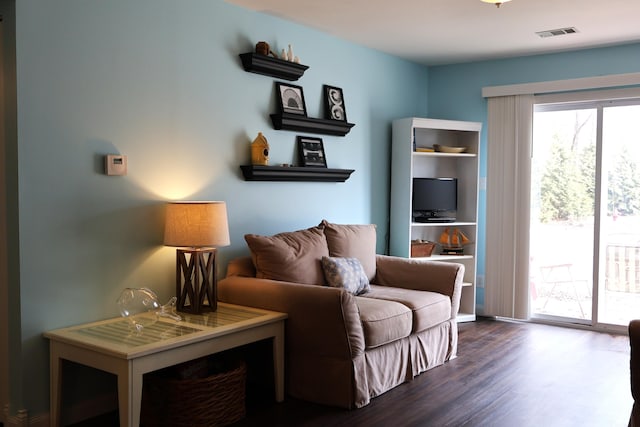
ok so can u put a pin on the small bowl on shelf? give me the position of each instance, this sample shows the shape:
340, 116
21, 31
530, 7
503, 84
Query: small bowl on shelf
447, 149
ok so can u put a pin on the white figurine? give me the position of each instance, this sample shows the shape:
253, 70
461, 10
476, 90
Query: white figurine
290, 54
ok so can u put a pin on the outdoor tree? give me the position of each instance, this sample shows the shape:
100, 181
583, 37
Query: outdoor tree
568, 180
624, 185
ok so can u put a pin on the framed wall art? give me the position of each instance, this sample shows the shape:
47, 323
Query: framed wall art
290, 99
334, 103
311, 152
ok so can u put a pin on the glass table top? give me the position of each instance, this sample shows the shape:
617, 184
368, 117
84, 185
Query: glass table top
122, 331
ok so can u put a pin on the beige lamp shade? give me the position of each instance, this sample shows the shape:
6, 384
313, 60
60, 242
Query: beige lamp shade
196, 224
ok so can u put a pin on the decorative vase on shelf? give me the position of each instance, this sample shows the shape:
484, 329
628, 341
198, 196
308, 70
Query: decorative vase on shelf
290, 55
263, 48
284, 55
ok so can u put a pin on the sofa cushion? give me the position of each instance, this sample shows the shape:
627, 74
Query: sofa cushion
353, 241
346, 273
291, 257
428, 308
383, 321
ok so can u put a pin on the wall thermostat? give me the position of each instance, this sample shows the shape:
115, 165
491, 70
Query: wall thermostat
115, 164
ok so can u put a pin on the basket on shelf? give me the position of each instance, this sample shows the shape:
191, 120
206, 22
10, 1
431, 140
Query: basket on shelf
421, 248
215, 400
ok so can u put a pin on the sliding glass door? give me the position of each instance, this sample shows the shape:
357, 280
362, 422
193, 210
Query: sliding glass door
563, 212
619, 258
584, 264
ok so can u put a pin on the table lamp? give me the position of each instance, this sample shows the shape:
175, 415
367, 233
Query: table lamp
197, 228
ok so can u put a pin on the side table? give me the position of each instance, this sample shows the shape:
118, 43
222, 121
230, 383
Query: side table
114, 346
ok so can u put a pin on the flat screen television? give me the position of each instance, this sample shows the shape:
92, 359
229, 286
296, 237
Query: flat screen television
435, 199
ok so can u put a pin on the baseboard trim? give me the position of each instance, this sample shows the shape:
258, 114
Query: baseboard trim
81, 411
21, 419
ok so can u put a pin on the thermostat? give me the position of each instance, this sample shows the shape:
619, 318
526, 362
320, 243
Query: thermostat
115, 164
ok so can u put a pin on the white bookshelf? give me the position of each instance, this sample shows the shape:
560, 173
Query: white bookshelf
406, 164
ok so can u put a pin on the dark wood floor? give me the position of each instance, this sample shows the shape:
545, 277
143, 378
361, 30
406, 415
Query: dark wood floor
507, 374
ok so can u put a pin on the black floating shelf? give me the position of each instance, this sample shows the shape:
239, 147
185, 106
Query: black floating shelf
295, 122
270, 66
294, 173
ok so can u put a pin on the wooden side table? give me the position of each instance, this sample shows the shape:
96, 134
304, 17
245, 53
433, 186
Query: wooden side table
114, 346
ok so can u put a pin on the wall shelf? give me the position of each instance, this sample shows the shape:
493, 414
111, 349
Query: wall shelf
270, 66
294, 173
295, 122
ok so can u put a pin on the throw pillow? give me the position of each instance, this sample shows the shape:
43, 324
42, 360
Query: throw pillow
345, 273
353, 241
291, 257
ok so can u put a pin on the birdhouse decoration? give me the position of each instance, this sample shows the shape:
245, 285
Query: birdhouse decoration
260, 150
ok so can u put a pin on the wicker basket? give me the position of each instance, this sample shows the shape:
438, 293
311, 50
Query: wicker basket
217, 400
421, 249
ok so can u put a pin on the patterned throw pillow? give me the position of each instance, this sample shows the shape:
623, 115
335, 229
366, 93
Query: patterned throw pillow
345, 273
353, 241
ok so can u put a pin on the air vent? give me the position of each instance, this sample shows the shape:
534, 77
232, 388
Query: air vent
557, 32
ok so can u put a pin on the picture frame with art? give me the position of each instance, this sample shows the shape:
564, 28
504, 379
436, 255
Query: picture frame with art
311, 152
334, 103
290, 99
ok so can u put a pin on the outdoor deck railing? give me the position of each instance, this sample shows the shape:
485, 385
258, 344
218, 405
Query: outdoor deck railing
622, 269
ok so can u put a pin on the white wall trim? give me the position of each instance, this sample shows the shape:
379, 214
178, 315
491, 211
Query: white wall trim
614, 80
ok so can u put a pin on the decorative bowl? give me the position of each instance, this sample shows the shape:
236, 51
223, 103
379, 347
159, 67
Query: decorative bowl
448, 149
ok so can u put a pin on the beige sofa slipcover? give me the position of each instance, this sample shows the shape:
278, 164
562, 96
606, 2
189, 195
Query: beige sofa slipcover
344, 349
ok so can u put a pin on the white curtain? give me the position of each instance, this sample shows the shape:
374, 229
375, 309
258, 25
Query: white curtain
508, 204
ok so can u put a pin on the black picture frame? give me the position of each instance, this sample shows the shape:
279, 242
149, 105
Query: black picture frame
334, 103
311, 152
291, 99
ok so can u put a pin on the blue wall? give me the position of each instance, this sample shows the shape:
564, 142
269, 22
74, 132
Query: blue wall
161, 82
455, 92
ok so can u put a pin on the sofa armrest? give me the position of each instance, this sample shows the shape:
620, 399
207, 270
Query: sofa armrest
423, 275
242, 266
321, 320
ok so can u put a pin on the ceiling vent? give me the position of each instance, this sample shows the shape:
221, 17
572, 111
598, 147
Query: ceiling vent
557, 32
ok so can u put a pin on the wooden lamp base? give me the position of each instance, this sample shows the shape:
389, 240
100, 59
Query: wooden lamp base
196, 288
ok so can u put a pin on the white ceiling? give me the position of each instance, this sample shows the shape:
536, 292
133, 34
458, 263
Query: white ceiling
436, 32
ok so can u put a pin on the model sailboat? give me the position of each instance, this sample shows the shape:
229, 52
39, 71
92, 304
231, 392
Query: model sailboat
453, 241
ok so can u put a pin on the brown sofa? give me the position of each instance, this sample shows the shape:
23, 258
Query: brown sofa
343, 349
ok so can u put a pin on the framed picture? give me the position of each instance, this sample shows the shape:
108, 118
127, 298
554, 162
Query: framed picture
311, 152
334, 103
290, 99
